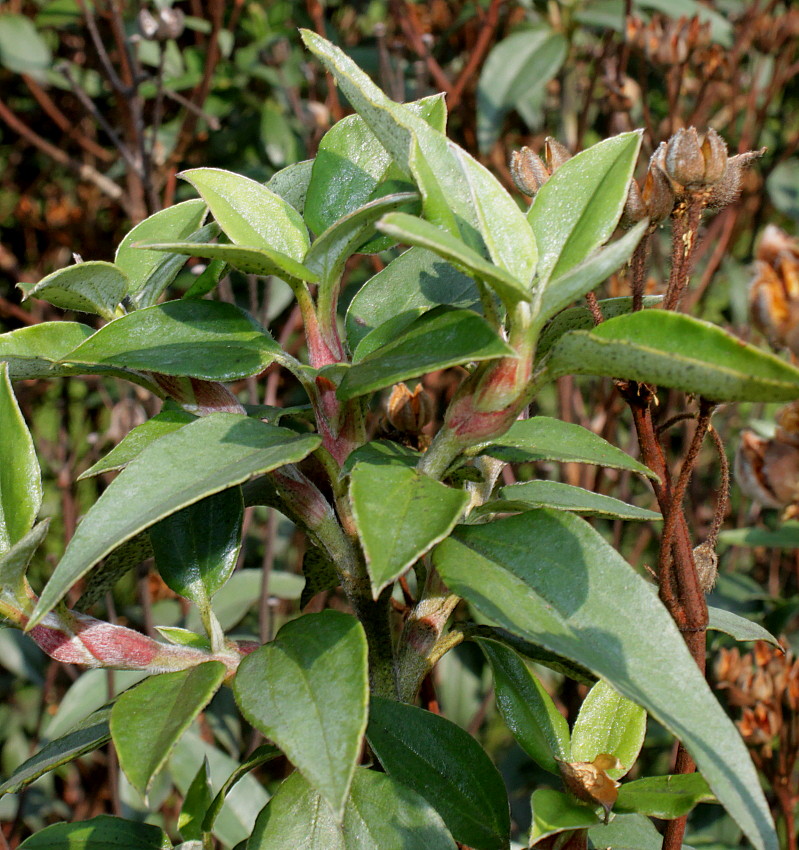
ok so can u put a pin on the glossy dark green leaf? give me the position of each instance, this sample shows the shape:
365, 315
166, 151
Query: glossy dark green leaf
307, 690
92, 287
458, 193
422, 234
101, 833
166, 477
259, 261
545, 438
212, 340
515, 68
85, 737
438, 339
135, 441
578, 208
32, 352
674, 350
608, 723
585, 277
443, 763
664, 797
400, 515
567, 497
351, 167
249, 213
580, 318
380, 813
554, 812
738, 627
20, 476
150, 272
380, 453
119, 563
416, 280
147, 721
539, 728
195, 805
577, 596
196, 548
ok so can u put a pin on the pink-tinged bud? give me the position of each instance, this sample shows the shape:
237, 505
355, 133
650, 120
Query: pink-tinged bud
199, 397
303, 497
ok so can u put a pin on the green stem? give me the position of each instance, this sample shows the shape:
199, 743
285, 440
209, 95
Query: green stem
443, 450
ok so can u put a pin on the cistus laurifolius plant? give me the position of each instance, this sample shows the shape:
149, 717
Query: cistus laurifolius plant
481, 284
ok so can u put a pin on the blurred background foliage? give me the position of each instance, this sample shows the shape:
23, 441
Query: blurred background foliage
103, 103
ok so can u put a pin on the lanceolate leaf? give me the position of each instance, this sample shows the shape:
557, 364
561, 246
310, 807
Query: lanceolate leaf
786, 536
249, 213
673, 350
307, 691
166, 477
444, 764
416, 231
85, 737
100, 833
14, 564
147, 720
211, 340
436, 340
664, 797
608, 723
578, 208
94, 287
549, 577
417, 279
32, 352
566, 497
380, 812
738, 627
544, 438
540, 729
20, 476
400, 514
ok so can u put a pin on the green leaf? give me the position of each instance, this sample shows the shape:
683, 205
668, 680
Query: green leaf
196, 548
212, 340
14, 564
400, 515
586, 276
664, 797
32, 352
580, 318
195, 805
438, 339
164, 478
148, 720
738, 627
92, 287
626, 832
416, 280
545, 438
307, 691
566, 497
352, 168
85, 737
515, 68
608, 723
554, 812
260, 261
421, 234
291, 183
119, 563
577, 596
673, 350
22, 48
379, 813
578, 208
150, 272
20, 476
527, 709
784, 537
134, 442
331, 250
249, 213
458, 193
100, 833
380, 453
443, 763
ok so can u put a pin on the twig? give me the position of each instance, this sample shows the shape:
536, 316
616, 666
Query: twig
489, 25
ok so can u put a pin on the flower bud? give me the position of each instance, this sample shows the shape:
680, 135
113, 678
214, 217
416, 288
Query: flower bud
589, 781
555, 153
528, 172
408, 412
684, 161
